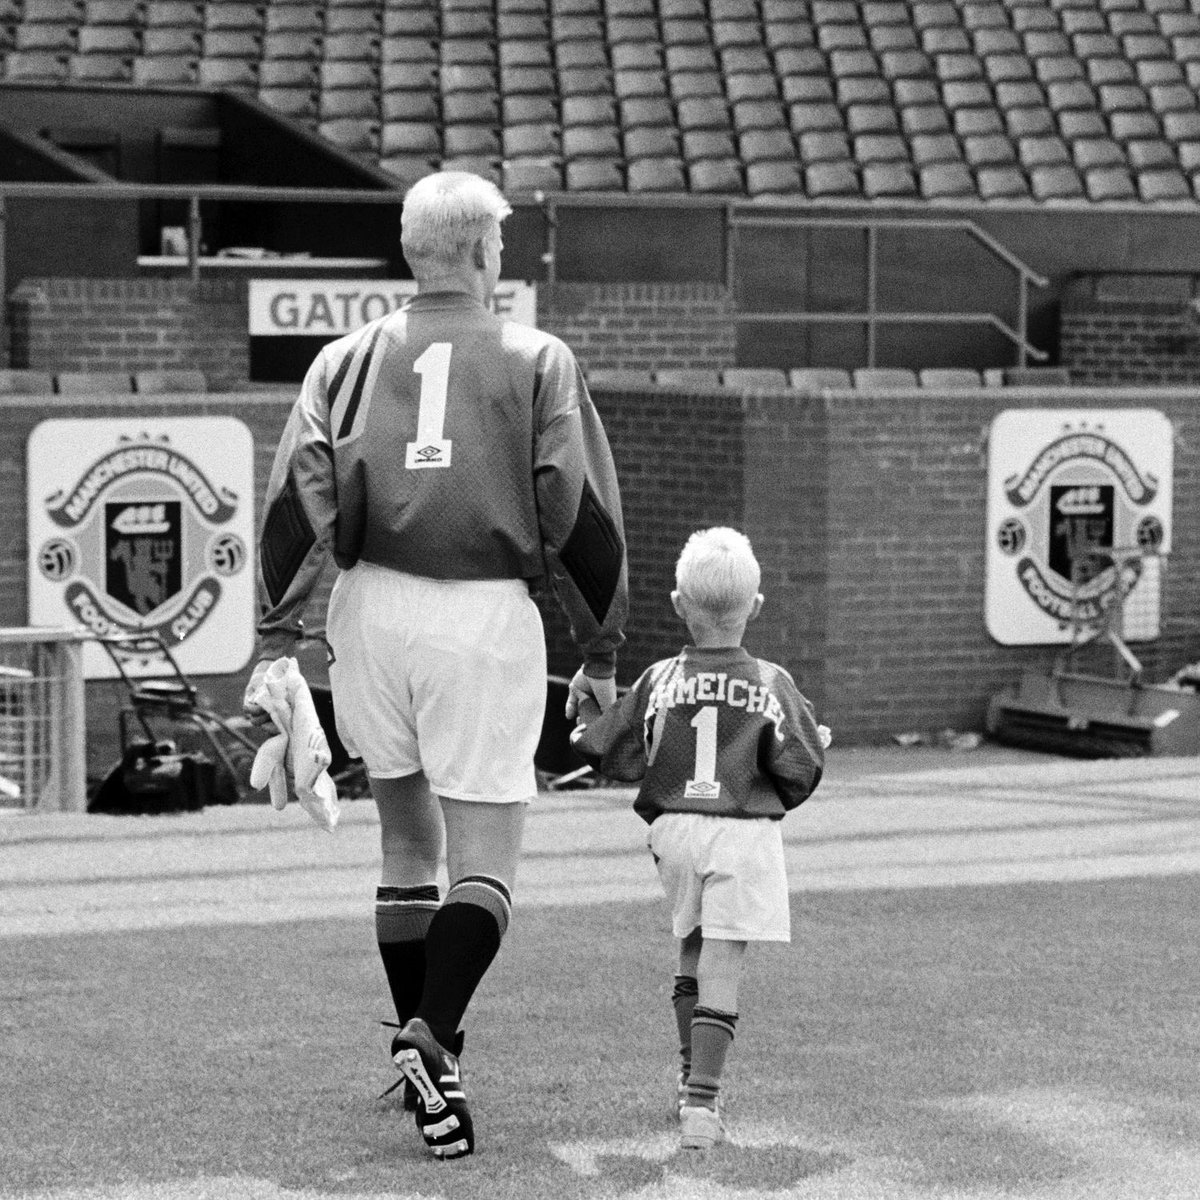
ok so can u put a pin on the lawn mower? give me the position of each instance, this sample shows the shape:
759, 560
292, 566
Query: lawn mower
1071, 712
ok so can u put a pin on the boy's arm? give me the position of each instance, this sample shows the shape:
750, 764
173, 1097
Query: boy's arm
795, 753
612, 743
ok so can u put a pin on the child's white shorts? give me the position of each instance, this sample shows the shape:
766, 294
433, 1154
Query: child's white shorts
442, 676
723, 874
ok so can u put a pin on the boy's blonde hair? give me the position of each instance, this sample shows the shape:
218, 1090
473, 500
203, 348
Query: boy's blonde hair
718, 573
446, 213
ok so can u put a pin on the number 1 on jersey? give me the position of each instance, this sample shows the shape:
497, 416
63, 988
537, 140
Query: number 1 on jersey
431, 449
704, 785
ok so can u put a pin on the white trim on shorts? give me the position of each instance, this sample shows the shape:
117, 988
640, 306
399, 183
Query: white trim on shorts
725, 875
442, 676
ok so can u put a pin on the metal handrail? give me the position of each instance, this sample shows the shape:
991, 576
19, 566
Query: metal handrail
1026, 275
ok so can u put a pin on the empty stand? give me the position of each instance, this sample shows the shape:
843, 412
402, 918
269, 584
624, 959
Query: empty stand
93, 383
879, 99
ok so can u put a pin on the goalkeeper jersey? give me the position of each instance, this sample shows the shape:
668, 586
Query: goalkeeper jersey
711, 731
445, 442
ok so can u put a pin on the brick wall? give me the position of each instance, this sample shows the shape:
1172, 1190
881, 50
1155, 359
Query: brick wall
905, 642
641, 325
147, 324
867, 513
132, 324
1118, 329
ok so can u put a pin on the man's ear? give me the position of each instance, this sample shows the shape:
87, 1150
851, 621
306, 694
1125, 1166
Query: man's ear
677, 605
479, 255
755, 607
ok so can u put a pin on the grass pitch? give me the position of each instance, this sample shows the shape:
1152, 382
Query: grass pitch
1033, 1040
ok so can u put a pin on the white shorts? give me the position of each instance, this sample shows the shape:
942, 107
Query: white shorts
442, 676
723, 874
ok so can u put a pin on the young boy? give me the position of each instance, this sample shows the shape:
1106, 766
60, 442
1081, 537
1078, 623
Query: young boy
724, 744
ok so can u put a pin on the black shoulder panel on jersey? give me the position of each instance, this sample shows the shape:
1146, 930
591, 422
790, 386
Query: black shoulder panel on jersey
286, 538
593, 554
356, 395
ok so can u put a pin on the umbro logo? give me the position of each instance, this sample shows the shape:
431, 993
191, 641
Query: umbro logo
701, 789
429, 453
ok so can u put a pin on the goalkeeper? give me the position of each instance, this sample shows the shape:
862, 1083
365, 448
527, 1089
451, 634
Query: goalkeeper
450, 462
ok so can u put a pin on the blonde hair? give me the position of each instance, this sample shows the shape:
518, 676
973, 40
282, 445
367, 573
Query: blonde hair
718, 573
446, 213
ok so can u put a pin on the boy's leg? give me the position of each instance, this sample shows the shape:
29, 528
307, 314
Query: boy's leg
715, 1018
683, 1000
410, 827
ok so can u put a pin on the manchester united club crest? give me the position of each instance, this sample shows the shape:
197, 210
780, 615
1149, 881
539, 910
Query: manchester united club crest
143, 527
1077, 502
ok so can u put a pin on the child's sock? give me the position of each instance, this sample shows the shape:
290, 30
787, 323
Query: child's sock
683, 999
712, 1035
463, 939
402, 918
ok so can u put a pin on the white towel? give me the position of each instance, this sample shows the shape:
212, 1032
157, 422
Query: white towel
300, 749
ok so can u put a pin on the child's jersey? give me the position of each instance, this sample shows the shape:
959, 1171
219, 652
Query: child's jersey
710, 731
444, 442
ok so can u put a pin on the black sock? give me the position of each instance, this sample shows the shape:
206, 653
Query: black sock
683, 1000
463, 939
402, 919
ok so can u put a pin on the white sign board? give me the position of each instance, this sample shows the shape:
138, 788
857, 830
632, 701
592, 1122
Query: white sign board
1063, 480
332, 308
145, 525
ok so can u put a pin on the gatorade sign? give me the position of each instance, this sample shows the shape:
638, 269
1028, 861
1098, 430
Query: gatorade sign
1064, 487
291, 319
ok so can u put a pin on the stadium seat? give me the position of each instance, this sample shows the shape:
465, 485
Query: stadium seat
26, 383
1036, 377
1082, 123
978, 122
100, 68
1029, 122
409, 139
1158, 186
945, 180
591, 141
765, 179
1042, 151
529, 110
949, 378
301, 103
407, 168
1109, 183
924, 118
149, 70
655, 175
652, 111
807, 89
171, 40
595, 175
705, 113
767, 145
466, 141
536, 140
586, 110
93, 383
1126, 126
831, 179
303, 17
35, 66
156, 383
108, 39
881, 378
774, 378
532, 175
409, 106
1059, 182
824, 147
1092, 153
715, 175
114, 12
813, 118
650, 141
816, 379
988, 150
353, 133
234, 74
1002, 183
1151, 154
700, 378
872, 118
233, 15
619, 378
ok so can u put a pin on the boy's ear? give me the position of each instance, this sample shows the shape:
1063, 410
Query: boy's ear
677, 605
755, 607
